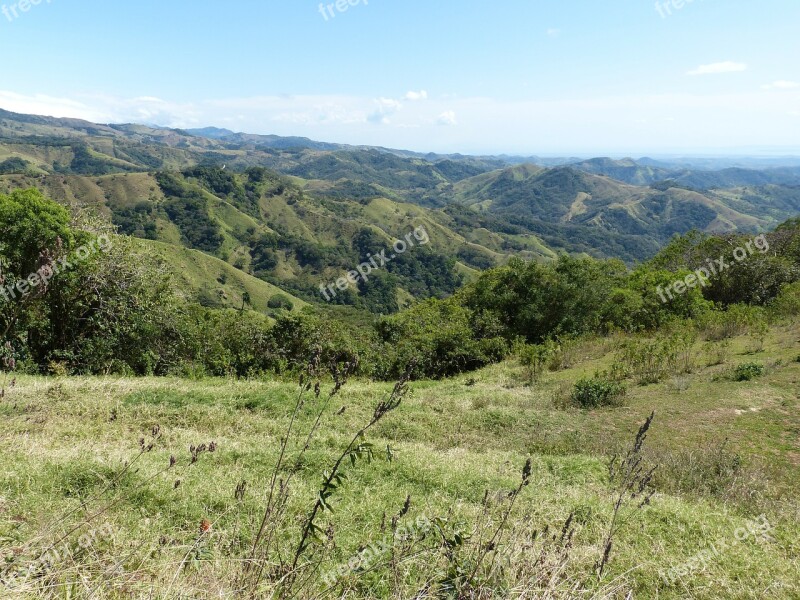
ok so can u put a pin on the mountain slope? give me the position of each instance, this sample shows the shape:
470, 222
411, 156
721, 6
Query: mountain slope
289, 232
568, 208
316, 197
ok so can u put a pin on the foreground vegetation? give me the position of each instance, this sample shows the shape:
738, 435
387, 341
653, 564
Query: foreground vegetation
556, 430
443, 463
122, 310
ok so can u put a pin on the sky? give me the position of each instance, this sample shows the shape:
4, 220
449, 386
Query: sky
529, 77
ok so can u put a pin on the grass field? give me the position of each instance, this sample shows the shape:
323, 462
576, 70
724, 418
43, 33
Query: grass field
728, 453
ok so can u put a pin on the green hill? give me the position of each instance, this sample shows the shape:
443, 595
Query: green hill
726, 457
214, 283
297, 213
577, 211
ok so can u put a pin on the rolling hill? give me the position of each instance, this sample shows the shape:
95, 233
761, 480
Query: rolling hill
295, 213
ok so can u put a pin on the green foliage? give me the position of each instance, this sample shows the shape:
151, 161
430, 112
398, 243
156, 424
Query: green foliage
717, 352
748, 371
534, 301
534, 358
189, 210
280, 301
194, 222
137, 220
14, 165
787, 303
435, 339
736, 320
29, 225
650, 360
598, 391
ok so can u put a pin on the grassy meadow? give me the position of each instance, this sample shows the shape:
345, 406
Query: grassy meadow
74, 475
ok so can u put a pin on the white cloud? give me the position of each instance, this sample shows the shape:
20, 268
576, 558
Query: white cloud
553, 32
415, 96
386, 108
720, 67
782, 85
389, 104
448, 118
105, 109
42, 104
564, 125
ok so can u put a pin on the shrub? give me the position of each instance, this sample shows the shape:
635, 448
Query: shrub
717, 353
758, 333
597, 391
435, 339
648, 360
563, 353
681, 341
748, 371
534, 358
280, 301
787, 304
735, 321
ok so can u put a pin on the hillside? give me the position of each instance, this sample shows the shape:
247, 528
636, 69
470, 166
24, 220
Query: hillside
298, 214
727, 452
574, 210
647, 172
214, 283
557, 428
292, 233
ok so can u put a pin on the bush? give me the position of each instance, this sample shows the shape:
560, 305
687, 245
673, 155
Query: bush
648, 360
597, 391
534, 358
748, 371
435, 339
280, 301
787, 304
717, 353
737, 320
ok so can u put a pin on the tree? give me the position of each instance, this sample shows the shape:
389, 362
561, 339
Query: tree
30, 225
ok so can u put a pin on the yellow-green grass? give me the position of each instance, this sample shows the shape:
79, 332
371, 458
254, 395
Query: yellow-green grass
63, 439
194, 271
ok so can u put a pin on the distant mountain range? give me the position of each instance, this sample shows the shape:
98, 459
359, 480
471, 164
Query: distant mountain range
295, 212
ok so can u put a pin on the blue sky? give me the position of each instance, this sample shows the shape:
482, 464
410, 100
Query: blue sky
589, 77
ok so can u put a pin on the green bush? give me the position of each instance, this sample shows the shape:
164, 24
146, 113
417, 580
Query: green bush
597, 391
435, 339
737, 320
280, 301
787, 304
534, 358
748, 371
648, 360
